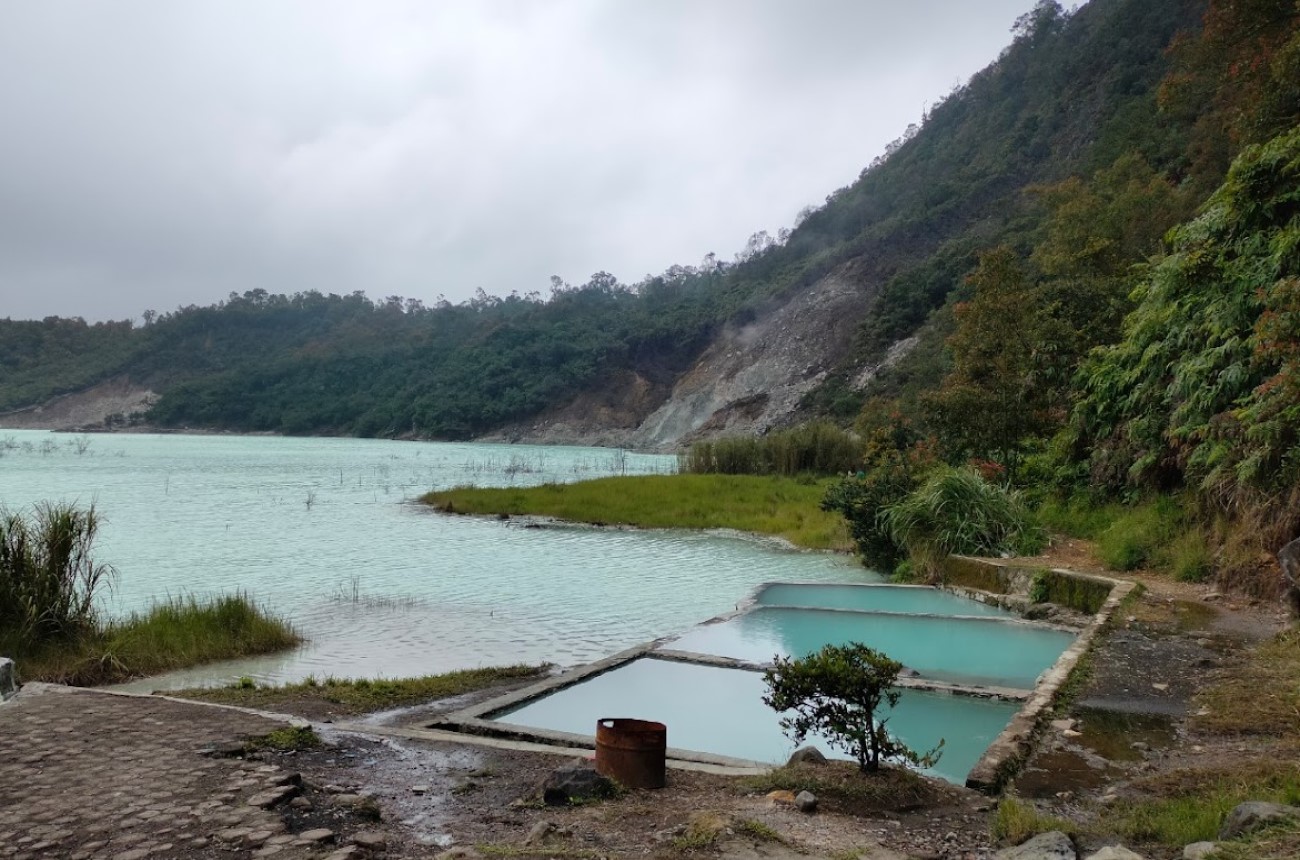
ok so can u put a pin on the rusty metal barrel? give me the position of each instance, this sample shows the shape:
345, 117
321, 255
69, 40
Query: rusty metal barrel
633, 753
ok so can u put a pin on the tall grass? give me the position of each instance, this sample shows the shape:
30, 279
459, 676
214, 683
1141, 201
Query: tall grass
48, 580
957, 511
819, 448
184, 631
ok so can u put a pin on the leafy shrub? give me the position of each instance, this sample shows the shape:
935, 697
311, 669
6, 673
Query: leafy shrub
957, 511
837, 691
863, 502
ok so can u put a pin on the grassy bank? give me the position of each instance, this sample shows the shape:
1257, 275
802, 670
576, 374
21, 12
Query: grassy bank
346, 696
50, 584
174, 634
784, 507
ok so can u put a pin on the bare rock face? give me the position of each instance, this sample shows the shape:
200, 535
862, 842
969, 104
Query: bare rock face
753, 376
748, 381
115, 399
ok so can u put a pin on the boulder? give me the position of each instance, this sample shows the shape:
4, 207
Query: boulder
806, 755
8, 679
1199, 850
806, 801
1114, 852
1045, 846
568, 785
537, 836
1254, 814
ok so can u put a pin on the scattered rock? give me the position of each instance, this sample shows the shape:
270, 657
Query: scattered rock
567, 785
1063, 724
1212, 596
538, 834
319, 836
806, 755
1199, 850
1071, 733
1160, 687
1114, 852
806, 801
457, 853
292, 778
272, 796
300, 803
233, 834
347, 852
781, 796
371, 840
1252, 815
8, 681
1045, 846
231, 750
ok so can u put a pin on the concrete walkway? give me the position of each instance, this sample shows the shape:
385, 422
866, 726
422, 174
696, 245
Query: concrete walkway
88, 775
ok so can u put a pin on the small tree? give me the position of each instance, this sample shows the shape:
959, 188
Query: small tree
837, 691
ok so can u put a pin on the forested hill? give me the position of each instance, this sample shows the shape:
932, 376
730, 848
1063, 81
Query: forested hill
1084, 115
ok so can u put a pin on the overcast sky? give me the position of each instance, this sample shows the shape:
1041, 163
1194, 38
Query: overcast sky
164, 153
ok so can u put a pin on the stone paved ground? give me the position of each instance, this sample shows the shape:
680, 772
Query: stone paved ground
92, 775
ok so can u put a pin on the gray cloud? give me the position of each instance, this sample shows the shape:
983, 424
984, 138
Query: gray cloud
157, 154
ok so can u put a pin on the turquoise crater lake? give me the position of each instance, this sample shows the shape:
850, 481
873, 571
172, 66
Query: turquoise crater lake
327, 532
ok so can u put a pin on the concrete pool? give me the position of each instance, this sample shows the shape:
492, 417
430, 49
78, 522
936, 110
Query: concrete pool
973, 677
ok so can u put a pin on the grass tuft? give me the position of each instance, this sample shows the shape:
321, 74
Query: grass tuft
703, 829
287, 738
174, 634
784, 507
841, 786
1016, 821
1189, 805
360, 695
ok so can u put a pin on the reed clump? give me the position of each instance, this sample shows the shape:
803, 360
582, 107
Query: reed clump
819, 448
956, 511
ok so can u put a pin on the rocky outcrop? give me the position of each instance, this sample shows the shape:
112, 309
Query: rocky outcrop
1045, 846
114, 402
749, 380
1253, 815
753, 376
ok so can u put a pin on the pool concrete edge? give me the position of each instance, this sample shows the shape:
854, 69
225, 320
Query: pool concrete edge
1012, 746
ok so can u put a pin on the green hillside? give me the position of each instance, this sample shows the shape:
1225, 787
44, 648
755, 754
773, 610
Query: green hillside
1067, 95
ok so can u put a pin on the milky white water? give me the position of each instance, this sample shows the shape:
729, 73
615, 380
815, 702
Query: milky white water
326, 533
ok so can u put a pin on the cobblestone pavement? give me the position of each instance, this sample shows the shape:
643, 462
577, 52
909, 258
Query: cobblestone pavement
85, 775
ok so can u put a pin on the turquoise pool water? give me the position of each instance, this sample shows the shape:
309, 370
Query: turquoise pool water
721, 711
913, 599
956, 650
